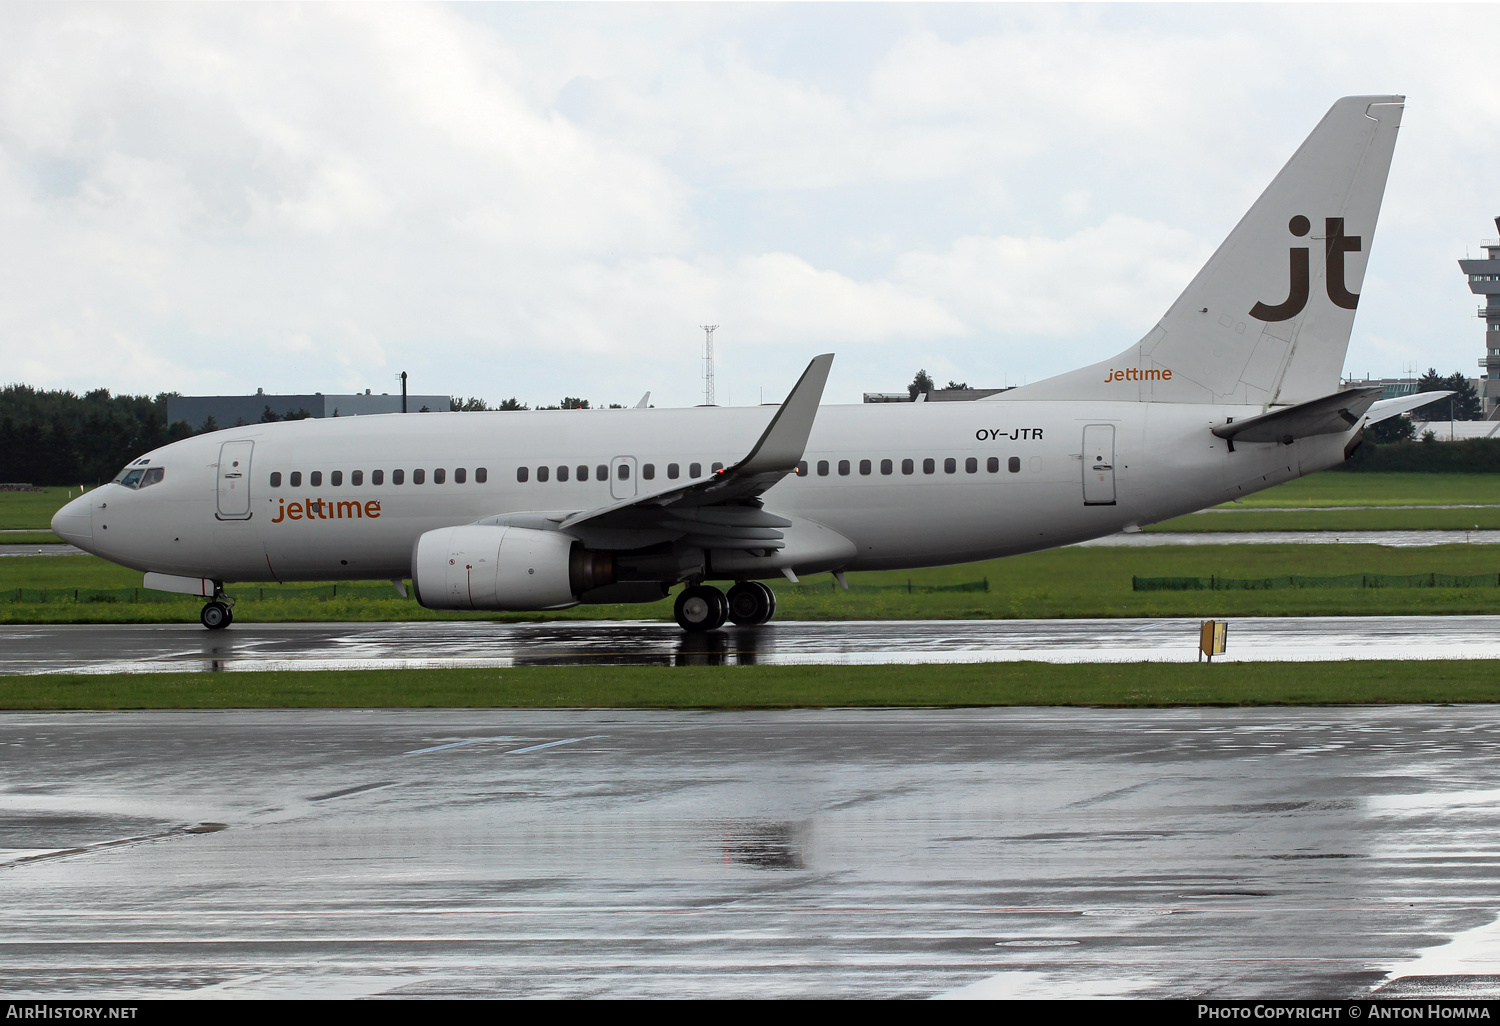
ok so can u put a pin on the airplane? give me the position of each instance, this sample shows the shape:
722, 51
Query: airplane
1234, 390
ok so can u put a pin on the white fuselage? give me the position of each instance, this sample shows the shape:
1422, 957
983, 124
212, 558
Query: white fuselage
1160, 460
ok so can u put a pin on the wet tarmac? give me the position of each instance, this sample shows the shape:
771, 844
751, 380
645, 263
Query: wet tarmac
836, 853
144, 648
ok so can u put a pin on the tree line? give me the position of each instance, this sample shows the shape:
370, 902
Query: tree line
61, 438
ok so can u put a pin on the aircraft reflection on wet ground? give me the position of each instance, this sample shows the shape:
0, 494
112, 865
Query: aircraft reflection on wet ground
116, 648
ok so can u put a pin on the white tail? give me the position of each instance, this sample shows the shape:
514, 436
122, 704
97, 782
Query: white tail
1267, 320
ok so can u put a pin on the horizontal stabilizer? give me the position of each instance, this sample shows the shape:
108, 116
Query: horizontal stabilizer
1385, 409
1330, 415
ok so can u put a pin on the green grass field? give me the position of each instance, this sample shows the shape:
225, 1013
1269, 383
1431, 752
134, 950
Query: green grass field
1070, 582
1310, 497
1337, 488
1313, 519
775, 687
33, 509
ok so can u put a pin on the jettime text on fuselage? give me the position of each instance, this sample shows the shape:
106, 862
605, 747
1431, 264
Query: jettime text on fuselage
322, 509
1136, 374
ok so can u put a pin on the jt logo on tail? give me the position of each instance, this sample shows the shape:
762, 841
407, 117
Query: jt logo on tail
1335, 245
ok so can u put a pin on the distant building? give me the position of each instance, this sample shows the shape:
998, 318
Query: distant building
233, 410
1394, 388
937, 395
1484, 280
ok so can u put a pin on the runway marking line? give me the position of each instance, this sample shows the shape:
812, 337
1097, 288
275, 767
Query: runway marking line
460, 744
554, 744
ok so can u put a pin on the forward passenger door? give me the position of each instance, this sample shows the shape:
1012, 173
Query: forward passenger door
234, 480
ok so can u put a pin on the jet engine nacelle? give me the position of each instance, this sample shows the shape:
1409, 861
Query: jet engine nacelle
504, 568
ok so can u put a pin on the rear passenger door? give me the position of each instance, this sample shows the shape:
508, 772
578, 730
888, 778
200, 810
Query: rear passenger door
1099, 465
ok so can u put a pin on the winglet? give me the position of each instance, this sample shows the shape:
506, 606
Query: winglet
1385, 409
785, 438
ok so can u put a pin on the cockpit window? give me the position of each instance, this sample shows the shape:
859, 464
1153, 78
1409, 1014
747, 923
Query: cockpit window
139, 477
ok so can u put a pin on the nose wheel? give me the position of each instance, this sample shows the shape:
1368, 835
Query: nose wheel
216, 615
701, 608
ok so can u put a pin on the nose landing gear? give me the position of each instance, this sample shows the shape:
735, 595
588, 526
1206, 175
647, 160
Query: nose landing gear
218, 613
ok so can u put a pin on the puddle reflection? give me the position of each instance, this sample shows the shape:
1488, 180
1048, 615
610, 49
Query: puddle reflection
765, 845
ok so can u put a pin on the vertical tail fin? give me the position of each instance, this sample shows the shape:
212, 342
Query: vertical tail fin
1267, 319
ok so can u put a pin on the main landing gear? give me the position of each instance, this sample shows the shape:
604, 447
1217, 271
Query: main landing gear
702, 607
218, 613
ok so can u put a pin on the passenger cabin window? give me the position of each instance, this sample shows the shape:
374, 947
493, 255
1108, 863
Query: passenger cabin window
522, 474
843, 468
336, 478
950, 465
802, 468
822, 468
276, 479
377, 477
296, 479
696, 469
929, 466
398, 477
356, 477
418, 476
886, 466
583, 472
481, 475
908, 467
1014, 465
439, 476
864, 466
623, 471
542, 473
460, 475
602, 472
563, 473
648, 471
315, 479
971, 465
716, 468
992, 464
672, 471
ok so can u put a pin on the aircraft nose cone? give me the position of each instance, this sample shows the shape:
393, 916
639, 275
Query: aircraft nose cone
74, 523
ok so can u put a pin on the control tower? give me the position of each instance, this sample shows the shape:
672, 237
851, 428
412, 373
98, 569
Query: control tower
1484, 280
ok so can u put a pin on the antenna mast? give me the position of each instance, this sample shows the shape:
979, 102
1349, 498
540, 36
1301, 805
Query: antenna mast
708, 363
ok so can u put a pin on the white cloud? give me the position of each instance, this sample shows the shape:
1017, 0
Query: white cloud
535, 199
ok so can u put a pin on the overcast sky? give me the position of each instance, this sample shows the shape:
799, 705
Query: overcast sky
540, 200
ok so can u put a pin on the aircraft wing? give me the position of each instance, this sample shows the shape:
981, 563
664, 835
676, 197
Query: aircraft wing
1330, 415
722, 511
